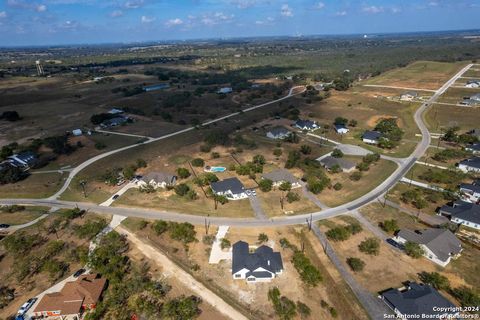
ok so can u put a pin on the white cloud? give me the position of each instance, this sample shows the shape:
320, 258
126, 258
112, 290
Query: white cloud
146, 19
41, 8
433, 3
396, 10
286, 11
243, 4
372, 9
133, 4
3, 14
216, 18
174, 22
341, 13
267, 21
116, 13
319, 5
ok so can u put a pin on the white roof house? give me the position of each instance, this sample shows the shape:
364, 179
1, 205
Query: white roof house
341, 128
158, 180
470, 165
77, 132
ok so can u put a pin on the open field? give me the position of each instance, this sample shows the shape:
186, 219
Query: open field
395, 195
472, 73
420, 74
21, 217
271, 204
252, 299
417, 173
456, 95
169, 201
439, 117
34, 186
354, 189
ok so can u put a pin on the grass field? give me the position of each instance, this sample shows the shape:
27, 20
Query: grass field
456, 95
439, 117
395, 194
271, 204
420, 74
472, 73
354, 189
34, 186
418, 170
377, 214
21, 217
169, 201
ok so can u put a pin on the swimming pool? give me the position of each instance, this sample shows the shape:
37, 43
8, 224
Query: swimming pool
215, 169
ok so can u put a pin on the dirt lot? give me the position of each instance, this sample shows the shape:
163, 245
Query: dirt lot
253, 297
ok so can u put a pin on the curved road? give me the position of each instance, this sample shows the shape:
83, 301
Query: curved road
404, 167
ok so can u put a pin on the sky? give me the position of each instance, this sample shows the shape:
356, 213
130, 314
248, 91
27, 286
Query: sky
57, 22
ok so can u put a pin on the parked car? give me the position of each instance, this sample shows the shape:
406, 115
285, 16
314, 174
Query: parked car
26, 306
78, 273
4, 226
395, 244
115, 197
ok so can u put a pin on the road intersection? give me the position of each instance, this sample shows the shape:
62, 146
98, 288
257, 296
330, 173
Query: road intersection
404, 165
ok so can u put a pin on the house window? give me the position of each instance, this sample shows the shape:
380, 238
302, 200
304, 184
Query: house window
238, 276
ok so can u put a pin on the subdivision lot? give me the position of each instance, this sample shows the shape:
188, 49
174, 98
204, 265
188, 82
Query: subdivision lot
352, 190
30, 213
34, 186
456, 95
439, 117
420, 74
253, 299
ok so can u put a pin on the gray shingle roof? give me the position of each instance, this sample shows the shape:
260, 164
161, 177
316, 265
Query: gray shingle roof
472, 162
305, 124
159, 177
231, 184
463, 210
417, 300
475, 187
441, 242
280, 175
263, 257
372, 135
329, 162
474, 146
279, 130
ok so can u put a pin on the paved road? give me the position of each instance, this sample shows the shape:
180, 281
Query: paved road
123, 134
374, 306
90, 161
373, 195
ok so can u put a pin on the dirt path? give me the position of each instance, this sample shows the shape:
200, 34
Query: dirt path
171, 269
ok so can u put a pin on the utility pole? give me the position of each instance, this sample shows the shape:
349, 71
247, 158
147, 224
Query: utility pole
207, 224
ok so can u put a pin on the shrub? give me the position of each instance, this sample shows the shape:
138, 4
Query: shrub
414, 250
467, 297
292, 197
259, 159
265, 185
356, 176
183, 173
181, 189
215, 155
305, 149
363, 166
184, 232
389, 225
303, 309
284, 307
308, 272
100, 145
435, 279
371, 158
356, 264
262, 238
277, 152
160, 227
338, 233
336, 153
370, 246
225, 243
337, 186
198, 162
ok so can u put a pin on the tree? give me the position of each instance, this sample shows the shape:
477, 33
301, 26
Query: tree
11, 174
435, 279
285, 186
389, 225
341, 121
305, 149
181, 189
182, 308
340, 233
468, 297
160, 227
262, 238
141, 163
184, 232
129, 172
198, 162
292, 197
356, 264
292, 160
363, 166
183, 173
336, 153
353, 123
265, 185
356, 176
284, 307
414, 250
370, 246
337, 186
308, 272
259, 159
